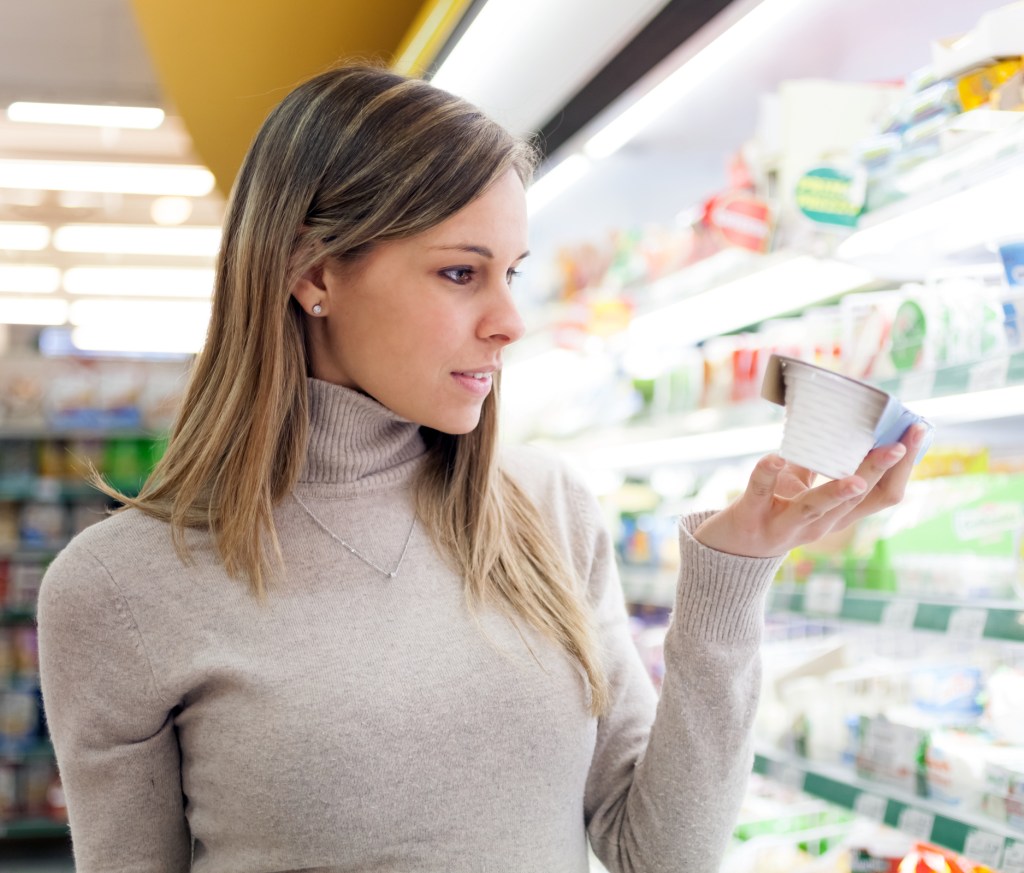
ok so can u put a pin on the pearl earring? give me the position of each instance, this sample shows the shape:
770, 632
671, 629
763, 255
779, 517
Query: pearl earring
317, 309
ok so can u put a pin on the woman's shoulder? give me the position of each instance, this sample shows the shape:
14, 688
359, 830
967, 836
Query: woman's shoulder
555, 487
127, 545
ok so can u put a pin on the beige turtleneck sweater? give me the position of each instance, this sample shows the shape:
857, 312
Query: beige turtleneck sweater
359, 723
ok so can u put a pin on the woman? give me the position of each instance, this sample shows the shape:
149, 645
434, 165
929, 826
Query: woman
335, 631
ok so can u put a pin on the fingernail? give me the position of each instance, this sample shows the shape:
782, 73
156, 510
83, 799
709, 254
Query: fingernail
895, 453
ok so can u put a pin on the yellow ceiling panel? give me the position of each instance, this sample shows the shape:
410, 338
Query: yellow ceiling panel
223, 64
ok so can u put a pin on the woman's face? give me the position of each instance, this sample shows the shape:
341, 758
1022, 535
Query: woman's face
419, 324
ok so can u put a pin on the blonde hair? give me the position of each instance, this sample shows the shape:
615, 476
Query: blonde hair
351, 158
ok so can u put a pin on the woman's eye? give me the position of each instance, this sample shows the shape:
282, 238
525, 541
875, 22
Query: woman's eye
459, 275
512, 274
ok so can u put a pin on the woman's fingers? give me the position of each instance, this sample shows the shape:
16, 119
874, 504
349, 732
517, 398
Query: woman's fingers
763, 481
887, 471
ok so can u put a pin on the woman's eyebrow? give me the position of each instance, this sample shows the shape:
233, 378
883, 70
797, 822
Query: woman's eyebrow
478, 250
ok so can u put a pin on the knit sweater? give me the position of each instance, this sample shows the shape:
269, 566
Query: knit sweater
355, 722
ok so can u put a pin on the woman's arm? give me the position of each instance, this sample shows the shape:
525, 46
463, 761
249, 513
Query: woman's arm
113, 733
664, 796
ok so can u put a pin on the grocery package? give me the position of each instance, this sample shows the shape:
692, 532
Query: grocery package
833, 421
956, 537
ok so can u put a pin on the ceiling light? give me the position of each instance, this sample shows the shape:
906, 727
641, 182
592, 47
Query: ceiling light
33, 310
139, 117
698, 70
140, 281
170, 210
24, 237
137, 239
555, 181
29, 278
783, 285
108, 178
139, 325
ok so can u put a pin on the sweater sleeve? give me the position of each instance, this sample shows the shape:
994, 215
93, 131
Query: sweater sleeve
664, 796
114, 737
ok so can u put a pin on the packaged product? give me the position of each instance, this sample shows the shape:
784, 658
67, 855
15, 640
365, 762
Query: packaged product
19, 720
955, 767
955, 537
892, 752
1004, 710
23, 582
997, 34
975, 88
8, 791
43, 525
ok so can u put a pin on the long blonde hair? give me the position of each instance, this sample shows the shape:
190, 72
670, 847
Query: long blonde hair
349, 159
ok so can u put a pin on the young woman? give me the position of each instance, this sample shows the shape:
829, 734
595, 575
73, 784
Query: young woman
337, 630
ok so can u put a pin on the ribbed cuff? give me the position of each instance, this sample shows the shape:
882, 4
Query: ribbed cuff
720, 597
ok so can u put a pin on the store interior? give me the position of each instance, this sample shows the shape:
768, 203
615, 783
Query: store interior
721, 182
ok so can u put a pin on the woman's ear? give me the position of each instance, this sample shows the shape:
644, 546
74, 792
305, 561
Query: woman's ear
311, 291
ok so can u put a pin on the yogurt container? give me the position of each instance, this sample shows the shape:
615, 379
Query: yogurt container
833, 421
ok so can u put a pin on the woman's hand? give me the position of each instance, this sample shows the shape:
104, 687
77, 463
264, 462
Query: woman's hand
780, 509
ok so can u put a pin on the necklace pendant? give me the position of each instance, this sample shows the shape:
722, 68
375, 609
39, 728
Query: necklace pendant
392, 575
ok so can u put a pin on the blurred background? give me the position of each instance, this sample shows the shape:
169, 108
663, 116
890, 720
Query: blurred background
840, 182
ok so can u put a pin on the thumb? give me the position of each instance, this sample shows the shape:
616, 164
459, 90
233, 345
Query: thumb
764, 480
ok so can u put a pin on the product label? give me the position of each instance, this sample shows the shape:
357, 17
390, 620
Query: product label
830, 196
984, 848
917, 823
871, 806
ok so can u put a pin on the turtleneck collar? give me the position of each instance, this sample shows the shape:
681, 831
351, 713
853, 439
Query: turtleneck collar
354, 440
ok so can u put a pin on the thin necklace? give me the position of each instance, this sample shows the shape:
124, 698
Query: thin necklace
391, 574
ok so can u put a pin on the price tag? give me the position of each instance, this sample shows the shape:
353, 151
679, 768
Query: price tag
1013, 858
823, 595
787, 774
985, 848
988, 374
871, 806
914, 386
917, 823
967, 623
899, 614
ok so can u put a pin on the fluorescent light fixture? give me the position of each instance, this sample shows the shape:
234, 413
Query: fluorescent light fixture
23, 237
106, 178
697, 71
138, 117
139, 325
167, 211
783, 286
555, 181
982, 213
29, 278
137, 239
139, 281
735, 443
33, 310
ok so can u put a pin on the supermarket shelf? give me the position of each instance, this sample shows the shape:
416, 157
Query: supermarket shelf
41, 751
976, 837
981, 391
48, 490
32, 828
13, 433
30, 553
825, 597
17, 616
